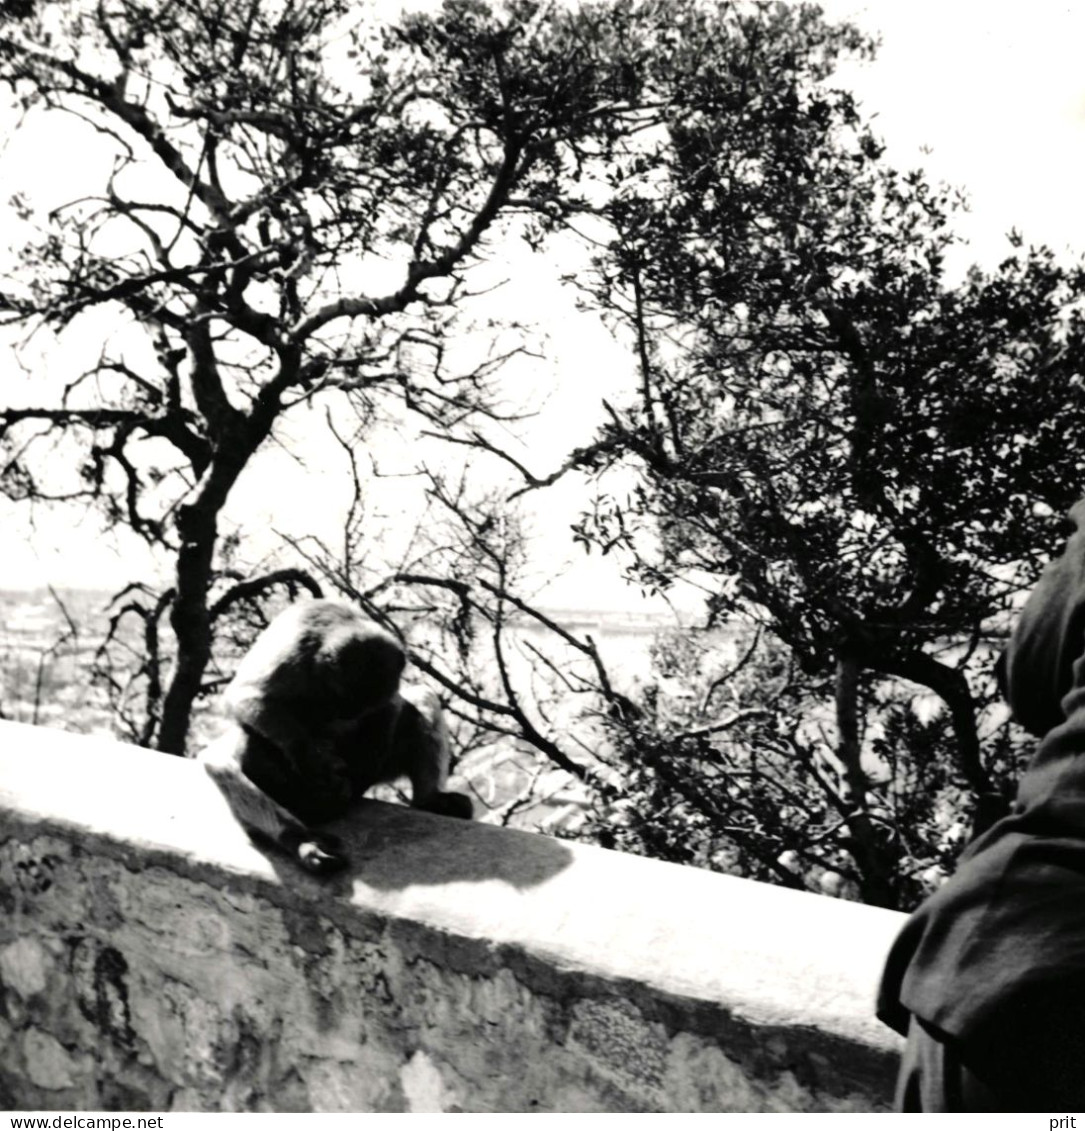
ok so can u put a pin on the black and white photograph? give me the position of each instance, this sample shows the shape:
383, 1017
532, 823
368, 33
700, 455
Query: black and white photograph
542, 558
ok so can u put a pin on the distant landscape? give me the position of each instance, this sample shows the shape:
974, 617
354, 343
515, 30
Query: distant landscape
49, 637
45, 658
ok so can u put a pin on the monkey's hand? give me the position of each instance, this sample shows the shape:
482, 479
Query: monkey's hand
318, 853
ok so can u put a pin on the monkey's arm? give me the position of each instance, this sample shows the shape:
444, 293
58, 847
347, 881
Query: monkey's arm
420, 751
316, 852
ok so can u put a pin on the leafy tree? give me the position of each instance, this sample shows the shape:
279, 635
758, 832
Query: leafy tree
297, 195
849, 447
729, 759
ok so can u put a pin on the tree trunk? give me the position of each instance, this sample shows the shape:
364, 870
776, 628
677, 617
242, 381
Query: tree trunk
952, 688
874, 861
191, 622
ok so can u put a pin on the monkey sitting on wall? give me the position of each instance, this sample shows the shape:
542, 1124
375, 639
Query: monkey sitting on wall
319, 717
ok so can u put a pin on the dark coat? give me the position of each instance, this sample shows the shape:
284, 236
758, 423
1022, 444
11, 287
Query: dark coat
1008, 929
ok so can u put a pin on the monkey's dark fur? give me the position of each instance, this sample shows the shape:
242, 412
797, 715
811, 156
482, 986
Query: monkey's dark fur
319, 717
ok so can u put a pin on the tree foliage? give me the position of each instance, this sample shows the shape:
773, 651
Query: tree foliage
845, 443
729, 758
296, 197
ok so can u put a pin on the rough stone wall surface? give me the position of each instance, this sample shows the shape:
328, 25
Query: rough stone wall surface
151, 958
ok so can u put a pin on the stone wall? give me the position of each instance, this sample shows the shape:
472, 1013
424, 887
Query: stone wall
152, 958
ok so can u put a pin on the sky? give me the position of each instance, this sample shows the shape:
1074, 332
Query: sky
989, 97
986, 96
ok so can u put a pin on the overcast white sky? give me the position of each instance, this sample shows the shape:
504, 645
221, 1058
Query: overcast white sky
987, 96
997, 92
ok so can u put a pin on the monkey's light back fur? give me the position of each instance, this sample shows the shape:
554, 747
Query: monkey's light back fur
152, 958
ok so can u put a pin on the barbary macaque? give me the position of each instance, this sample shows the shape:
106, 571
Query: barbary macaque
318, 717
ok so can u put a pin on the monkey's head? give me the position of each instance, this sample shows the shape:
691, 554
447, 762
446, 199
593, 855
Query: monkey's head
360, 665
